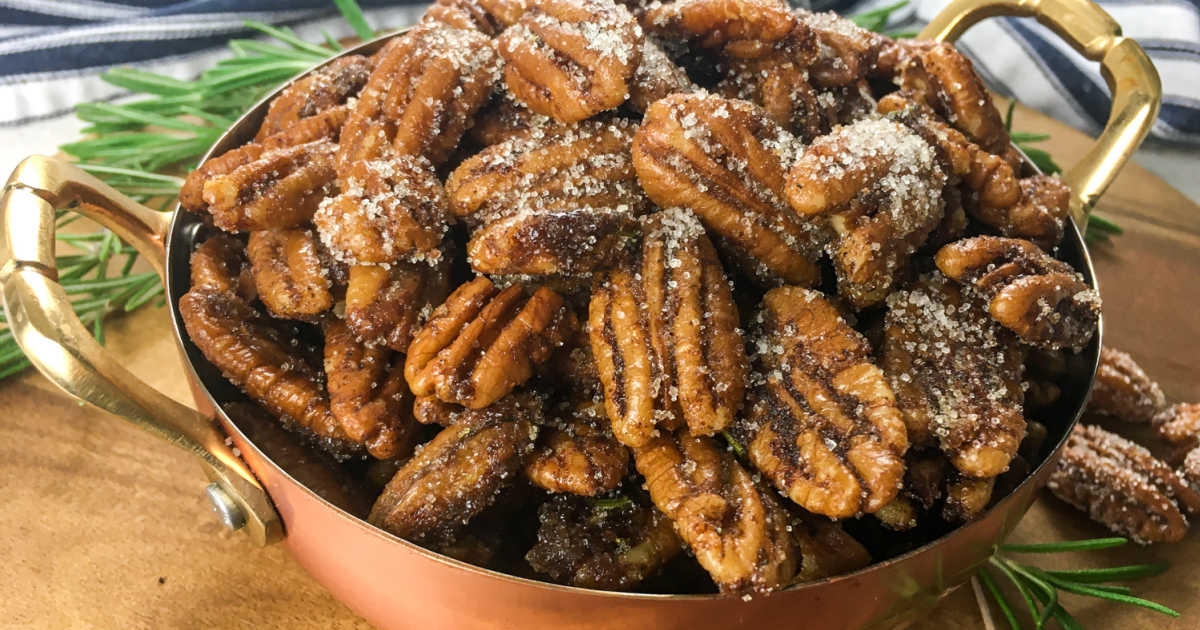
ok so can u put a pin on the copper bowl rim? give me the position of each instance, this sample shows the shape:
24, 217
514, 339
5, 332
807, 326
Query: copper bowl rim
174, 250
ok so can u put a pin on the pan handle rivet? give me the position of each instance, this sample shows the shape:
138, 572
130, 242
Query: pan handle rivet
230, 513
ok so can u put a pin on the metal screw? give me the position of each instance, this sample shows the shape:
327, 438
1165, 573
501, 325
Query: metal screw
230, 513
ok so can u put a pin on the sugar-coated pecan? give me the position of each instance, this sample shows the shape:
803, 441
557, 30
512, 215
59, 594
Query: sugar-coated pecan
481, 343
725, 160
522, 403
991, 185
220, 263
942, 78
740, 28
1178, 425
1123, 390
322, 126
367, 393
589, 544
656, 77
571, 59
289, 275
256, 356
966, 497
578, 455
665, 335
385, 306
465, 14
956, 374
1043, 300
550, 200
1039, 214
846, 52
453, 477
880, 185
736, 528
424, 91
278, 188
1122, 486
824, 428
389, 210
505, 118
319, 91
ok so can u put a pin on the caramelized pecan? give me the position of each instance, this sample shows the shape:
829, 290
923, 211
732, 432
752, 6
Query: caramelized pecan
825, 428
665, 335
656, 77
1122, 486
220, 263
389, 210
367, 393
319, 91
586, 544
880, 185
279, 188
942, 78
578, 456
385, 306
453, 477
571, 59
424, 91
725, 160
956, 374
1123, 390
481, 343
846, 52
289, 275
736, 528
741, 28
1043, 300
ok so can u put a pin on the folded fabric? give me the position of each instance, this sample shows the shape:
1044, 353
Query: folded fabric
53, 51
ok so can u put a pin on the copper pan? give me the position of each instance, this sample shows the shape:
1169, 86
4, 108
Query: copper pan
395, 584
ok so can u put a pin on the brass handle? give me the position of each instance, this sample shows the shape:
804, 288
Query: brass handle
1136, 89
45, 326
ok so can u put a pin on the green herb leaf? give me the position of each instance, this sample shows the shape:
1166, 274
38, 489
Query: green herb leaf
1060, 547
354, 15
876, 19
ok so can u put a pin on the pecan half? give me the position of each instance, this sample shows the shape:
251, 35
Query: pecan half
656, 77
319, 91
279, 188
1043, 300
220, 263
578, 456
386, 305
1179, 426
367, 393
256, 356
505, 118
966, 497
741, 28
323, 126
551, 200
465, 14
1122, 486
585, 544
736, 528
1123, 390
424, 91
481, 343
289, 275
956, 374
665, 335
571, 59
825, 428
725, 160
389, 210
453, 477
942, 78
1039, 214
846, 52
880, 185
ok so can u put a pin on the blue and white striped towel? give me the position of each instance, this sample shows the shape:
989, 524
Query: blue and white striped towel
52, 51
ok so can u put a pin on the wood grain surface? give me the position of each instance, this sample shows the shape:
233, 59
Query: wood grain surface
106, 527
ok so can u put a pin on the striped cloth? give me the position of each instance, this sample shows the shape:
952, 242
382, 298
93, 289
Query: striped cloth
52, 51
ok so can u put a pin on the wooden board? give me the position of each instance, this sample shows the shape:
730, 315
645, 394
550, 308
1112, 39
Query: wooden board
105, 526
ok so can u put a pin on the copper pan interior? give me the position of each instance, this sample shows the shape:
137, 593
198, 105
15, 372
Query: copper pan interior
187, 228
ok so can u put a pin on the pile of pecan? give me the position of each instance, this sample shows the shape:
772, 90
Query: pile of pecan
624, 280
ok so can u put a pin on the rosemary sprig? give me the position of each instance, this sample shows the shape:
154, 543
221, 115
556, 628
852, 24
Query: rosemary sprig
1040, 588
141, 148
876, 19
